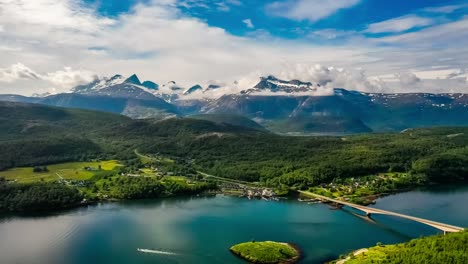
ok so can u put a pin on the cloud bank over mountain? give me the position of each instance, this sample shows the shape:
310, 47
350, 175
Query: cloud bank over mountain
57, 81
55, 45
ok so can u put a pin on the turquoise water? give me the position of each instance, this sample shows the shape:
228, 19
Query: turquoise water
200, 230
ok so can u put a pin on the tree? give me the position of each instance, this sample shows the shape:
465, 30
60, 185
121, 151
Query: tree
39, 169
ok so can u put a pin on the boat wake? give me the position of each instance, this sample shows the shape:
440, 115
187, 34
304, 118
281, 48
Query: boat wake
151, 251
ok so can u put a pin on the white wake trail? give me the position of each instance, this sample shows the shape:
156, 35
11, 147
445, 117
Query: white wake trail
151, 251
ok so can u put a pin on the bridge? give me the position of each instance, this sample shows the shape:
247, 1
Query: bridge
370, 211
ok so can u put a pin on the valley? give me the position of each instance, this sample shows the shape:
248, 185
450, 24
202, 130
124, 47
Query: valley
233, 131
357, 167
95, 157
282, 106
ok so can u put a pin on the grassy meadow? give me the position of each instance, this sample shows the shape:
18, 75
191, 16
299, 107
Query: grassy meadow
266, 252
68, 171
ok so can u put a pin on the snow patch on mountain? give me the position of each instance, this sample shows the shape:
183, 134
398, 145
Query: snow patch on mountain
119, 86
104, 83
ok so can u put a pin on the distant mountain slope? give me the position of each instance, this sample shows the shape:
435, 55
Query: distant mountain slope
234, 120
298, 114
261, 107
279, 105
400, 111
326, 125
18, 98
135, 108
379, 112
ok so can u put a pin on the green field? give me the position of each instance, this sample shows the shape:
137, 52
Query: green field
68, 171
145, 159
175, 178
267, 252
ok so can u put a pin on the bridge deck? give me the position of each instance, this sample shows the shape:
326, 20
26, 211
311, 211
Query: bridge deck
370, 210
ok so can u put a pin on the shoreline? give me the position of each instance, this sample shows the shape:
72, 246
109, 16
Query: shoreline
354, 253
292, 196
371, 199
92, 203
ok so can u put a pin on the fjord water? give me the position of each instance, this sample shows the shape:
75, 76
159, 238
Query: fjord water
200, 230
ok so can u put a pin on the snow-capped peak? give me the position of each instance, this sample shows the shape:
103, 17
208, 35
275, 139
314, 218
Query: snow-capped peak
275, 85
119, 86
193, 89
132, 87
99, 84
133, 79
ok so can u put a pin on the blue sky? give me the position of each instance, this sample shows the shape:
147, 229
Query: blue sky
368, 45
357, 17
230, 14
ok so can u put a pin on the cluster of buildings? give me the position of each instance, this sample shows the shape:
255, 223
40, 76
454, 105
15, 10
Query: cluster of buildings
75, 183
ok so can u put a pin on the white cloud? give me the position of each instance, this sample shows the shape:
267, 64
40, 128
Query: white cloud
220, 5
70, 14
445, 9
452, 33
459, 85
160, 43
324, 78
248, 23
331, 77
331, 33
357, 79
437, 73
59, 81
68, 77
399, 24
16, 72
312, 10
193, 4
407, 78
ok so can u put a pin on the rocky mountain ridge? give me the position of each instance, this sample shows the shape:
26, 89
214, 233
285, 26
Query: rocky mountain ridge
281, 106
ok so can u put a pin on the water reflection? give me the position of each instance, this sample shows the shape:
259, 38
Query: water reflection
200, 230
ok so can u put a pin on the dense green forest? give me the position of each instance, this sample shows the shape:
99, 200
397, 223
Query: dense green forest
450, 248
145, 187
308, 161
52, 195
37, 196
33, 135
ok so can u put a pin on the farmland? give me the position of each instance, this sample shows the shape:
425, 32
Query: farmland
67, 171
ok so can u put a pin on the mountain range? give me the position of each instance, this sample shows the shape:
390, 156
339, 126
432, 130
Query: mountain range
278, 105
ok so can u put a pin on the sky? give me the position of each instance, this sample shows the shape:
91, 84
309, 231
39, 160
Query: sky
365, 45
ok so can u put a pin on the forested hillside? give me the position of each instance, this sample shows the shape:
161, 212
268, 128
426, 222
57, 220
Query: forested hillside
34, 135
37, 196
305, 161
451, 248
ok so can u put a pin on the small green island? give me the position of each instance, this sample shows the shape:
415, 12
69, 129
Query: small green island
267, 252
